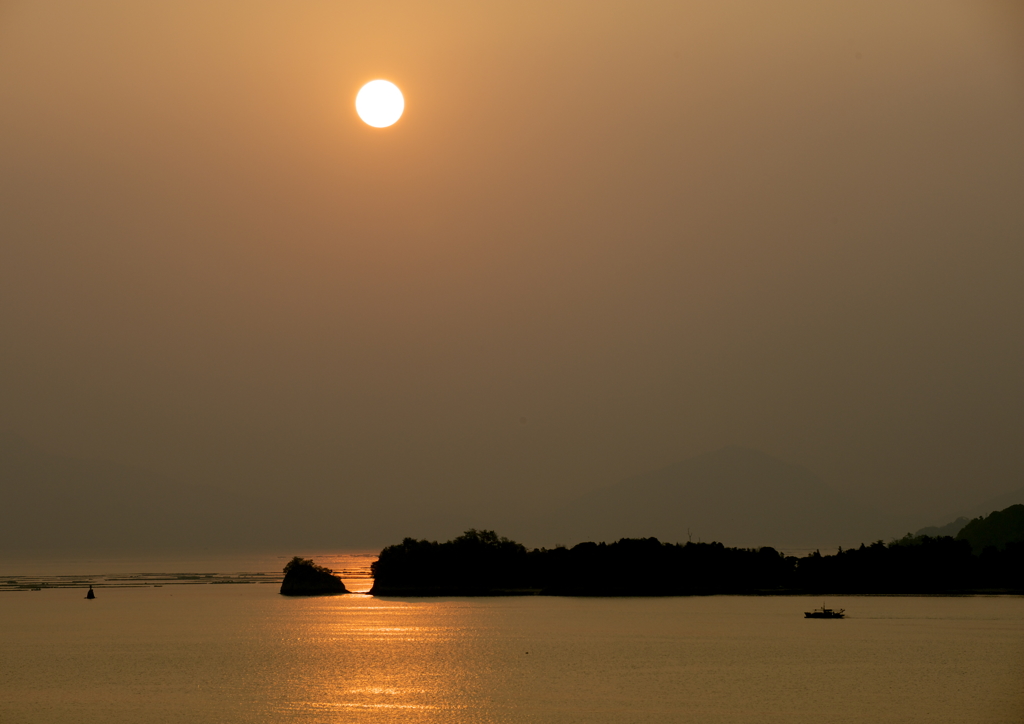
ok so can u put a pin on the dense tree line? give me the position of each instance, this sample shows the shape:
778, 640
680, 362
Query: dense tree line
481, 563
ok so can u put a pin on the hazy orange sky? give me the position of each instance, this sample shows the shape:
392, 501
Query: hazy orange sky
604, 237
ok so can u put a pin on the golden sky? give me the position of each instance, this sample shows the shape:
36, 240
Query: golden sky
602, 238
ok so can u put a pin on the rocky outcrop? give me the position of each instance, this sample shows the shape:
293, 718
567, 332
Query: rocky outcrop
302, 577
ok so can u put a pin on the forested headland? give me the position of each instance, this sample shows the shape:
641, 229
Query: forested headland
482, 563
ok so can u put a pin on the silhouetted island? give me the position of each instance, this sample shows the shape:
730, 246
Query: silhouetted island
302, 577
479, 563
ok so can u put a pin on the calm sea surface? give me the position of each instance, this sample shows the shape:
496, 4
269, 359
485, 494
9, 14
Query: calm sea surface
242, 653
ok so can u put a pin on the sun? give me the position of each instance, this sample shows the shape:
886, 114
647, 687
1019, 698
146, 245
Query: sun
379, 103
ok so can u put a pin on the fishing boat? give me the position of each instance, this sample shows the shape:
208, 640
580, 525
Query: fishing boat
825, 613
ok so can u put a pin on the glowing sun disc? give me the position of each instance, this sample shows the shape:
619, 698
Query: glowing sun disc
379, 103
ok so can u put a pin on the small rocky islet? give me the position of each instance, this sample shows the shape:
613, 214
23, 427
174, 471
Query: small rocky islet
303, 577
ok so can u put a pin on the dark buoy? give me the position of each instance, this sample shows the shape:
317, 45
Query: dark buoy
90, 594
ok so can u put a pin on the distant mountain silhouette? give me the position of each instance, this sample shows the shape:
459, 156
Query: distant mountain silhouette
968, 513
950, 529
996, 530
737, 496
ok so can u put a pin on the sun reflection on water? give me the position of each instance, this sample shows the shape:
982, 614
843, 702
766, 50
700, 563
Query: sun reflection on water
372, 656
